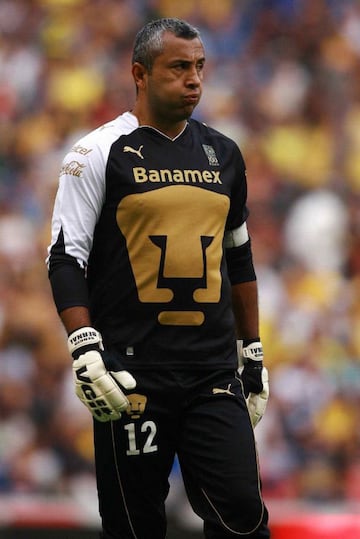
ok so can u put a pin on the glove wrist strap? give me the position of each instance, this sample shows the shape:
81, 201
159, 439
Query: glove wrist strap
84, 338
253, 352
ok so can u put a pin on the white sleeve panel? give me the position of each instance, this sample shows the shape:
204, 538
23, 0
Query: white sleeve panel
78, 202
81, 191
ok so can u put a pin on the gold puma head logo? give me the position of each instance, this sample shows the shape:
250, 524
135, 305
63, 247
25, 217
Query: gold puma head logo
136, 406
175, 250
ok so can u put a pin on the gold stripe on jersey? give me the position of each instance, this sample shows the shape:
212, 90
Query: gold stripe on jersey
181, 318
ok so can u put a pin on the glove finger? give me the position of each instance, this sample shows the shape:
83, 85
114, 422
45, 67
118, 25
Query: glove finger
124, 378
97, 404
265, 380
111, 391
256, 407
265, 375
257, 403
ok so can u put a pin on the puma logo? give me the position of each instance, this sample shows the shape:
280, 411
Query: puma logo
132, 150
217, 390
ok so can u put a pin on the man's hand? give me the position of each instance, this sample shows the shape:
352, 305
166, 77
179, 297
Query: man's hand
255, 379
100, 389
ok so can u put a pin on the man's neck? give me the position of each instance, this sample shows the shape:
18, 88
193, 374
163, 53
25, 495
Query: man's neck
170, 130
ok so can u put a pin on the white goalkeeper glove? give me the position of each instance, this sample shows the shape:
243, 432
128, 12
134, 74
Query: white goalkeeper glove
255, 378
100, 389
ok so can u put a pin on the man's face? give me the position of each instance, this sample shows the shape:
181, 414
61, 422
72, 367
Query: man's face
174, 85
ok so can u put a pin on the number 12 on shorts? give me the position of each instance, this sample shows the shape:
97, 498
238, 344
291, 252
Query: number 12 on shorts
134, 446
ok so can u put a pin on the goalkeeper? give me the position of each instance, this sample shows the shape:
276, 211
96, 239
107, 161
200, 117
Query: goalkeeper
151, 269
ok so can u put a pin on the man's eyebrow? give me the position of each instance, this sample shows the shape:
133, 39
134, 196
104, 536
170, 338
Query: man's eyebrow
187, 60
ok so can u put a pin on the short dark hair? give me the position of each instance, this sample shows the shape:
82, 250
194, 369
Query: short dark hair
149, 40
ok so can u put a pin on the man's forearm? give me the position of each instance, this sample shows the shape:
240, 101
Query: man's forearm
74, 318
246, 310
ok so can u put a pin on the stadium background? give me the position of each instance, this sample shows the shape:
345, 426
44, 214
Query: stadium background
282, 79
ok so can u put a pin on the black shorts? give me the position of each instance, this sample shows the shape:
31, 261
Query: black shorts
201, 417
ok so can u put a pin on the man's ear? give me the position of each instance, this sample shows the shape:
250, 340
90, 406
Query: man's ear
139, 73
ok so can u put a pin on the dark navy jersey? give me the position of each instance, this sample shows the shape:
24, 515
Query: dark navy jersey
150, 218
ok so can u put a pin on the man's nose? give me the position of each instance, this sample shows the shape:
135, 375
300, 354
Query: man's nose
194, 77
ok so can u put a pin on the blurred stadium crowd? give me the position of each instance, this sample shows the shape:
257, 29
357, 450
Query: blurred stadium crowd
283, 80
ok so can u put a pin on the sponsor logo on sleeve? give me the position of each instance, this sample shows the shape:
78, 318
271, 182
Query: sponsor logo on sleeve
81, 150
73, 168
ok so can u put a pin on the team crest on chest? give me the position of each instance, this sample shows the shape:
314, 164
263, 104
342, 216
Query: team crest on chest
211, 155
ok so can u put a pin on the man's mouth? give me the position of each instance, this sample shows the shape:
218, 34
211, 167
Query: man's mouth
191, 98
